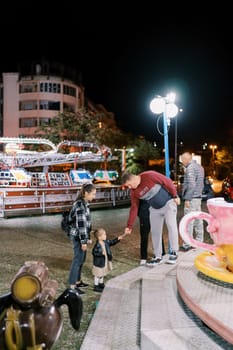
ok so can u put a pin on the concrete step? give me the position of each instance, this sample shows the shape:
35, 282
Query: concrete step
166, 322
142, 309
116, 322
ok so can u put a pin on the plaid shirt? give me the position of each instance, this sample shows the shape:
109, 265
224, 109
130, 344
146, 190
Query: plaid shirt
83, 220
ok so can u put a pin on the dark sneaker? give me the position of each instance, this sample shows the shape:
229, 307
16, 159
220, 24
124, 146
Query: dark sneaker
82, 285
185, 248
101, 285
79, 291
154, 262
98, 289
172, 258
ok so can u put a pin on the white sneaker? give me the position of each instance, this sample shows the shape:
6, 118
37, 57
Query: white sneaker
143, 262
172, 258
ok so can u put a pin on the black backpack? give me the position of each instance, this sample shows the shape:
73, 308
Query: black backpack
68, 220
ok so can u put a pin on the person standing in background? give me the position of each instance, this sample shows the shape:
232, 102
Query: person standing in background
193, 186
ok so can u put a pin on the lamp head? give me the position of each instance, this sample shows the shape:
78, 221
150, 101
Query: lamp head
171, 97
165, 104
171, 110
157, 105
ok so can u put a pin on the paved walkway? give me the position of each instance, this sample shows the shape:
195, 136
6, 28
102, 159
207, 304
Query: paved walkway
142, 309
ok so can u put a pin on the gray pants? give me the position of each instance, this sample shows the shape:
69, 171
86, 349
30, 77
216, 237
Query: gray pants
196, 226
167, 214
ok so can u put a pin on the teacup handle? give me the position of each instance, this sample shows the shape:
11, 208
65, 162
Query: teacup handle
184, 231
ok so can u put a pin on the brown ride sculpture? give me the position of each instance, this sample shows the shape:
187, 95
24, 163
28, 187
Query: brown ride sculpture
30, 315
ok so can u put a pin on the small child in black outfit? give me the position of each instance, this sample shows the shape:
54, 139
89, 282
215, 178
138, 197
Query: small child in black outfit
102, 257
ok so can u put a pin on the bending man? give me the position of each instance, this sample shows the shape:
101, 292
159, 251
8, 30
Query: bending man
160, 192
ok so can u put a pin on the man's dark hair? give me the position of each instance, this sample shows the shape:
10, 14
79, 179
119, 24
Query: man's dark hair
126, 177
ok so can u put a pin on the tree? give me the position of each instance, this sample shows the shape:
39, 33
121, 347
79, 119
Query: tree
224, 162
102, 130
82, 126
144, 151
69, 126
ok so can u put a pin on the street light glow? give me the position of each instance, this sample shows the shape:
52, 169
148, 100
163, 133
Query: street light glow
171, 97
157, 105
171, 110
213, 148
166, 106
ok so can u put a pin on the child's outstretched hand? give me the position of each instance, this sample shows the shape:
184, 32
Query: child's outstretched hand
122, 236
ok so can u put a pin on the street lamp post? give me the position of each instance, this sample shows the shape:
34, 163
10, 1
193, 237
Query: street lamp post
123, 156
213, 148
123, 159
176, 147
166, 147
175, 153
166, 106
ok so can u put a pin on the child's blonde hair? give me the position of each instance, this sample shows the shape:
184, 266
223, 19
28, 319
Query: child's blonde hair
98, 232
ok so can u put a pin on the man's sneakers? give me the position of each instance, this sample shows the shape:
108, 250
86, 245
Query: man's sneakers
143, 262
157, 261
154, 262
172, 258
185, 248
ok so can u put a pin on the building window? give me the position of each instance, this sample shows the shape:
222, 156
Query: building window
44, 121
67, 107
69, 90
25, 88
55, 88
50, 105
27, 105
28, 122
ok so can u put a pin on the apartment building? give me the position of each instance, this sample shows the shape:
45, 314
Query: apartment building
30, 100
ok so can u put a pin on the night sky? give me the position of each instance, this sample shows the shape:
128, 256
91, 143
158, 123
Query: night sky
127, 56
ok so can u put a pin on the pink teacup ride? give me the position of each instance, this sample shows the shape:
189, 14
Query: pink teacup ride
217, 259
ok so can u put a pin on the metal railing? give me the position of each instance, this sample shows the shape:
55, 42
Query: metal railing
29, 201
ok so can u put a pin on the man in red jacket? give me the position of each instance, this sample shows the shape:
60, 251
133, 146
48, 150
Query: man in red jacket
160, 192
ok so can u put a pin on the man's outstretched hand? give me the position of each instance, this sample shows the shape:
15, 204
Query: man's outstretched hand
128, 231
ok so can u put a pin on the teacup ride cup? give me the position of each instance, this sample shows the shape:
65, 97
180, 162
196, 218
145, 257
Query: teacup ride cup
220, 228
